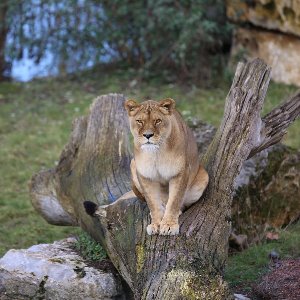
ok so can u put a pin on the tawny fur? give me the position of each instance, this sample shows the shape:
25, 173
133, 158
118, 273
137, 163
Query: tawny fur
166, 171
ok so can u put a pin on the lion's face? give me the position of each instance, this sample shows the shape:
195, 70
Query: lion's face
150, 122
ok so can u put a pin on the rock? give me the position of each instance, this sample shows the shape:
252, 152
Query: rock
274, 256
238, 241
240, 297
271, 197
279, 15
281, 283
203, 133
54, 271
252, 168
280, 51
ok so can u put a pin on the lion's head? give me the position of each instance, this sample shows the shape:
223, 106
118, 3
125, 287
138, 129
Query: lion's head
150, 122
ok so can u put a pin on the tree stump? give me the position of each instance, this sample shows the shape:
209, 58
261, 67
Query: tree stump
94, 166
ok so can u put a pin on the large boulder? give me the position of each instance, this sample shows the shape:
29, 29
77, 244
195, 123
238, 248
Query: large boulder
277, 15
268, 192
280, 51
54, 271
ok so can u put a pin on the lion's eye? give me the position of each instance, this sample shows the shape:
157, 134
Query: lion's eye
139, 122
158, 121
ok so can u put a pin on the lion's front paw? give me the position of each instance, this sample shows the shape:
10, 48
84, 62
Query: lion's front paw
169, 228
153, 228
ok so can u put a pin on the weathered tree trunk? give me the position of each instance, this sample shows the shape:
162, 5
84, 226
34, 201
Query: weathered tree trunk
95, 166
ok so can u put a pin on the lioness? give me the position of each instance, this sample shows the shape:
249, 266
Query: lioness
165, 170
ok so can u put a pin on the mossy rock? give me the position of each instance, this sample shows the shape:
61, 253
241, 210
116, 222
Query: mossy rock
271, 198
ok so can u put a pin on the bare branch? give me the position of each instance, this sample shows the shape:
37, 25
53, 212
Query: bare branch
276, 122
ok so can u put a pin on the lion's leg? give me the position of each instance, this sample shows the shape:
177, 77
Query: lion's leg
169, 224
196, 189
153, 194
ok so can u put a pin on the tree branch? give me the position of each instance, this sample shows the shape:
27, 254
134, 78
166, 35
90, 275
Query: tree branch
275, 123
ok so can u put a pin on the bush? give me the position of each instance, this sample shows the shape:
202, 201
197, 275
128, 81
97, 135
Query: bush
183, 36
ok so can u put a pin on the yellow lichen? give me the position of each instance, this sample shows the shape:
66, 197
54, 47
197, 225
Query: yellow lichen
194, 286
140, 255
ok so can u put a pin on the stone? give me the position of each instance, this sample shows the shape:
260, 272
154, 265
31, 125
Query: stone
203, 133
279, 15
240, 297
54, 271
274, 256
270, 199
280, 51
238, 241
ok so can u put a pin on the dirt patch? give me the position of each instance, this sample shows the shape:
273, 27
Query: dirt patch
282, 283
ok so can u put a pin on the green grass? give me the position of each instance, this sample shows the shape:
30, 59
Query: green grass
246, 267
35, 122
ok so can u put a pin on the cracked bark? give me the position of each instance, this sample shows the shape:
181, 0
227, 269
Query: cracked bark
94, 166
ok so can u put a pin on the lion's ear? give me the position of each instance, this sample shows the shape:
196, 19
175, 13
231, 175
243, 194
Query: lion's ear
131, 106
167, 105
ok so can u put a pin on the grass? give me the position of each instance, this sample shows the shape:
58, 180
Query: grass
246, 267
35, 122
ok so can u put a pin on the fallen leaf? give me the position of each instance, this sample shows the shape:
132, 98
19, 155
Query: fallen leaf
272, 236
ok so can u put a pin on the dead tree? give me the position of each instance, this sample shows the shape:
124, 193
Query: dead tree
94, 166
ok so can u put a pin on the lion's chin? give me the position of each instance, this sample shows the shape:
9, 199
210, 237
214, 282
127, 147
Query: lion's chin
149, 147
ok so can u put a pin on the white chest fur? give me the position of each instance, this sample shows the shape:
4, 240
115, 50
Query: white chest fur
155, 166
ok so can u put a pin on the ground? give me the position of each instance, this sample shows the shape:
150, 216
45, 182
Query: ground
281, 283
245, 269
35, 122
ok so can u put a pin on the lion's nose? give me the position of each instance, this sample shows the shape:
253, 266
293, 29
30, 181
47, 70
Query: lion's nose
148, 135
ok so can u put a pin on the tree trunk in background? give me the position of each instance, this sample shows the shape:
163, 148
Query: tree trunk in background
3, 33
94, 166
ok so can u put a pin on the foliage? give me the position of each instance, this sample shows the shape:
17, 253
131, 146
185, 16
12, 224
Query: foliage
163, 34
35, 123
89, 248
246, 267
184, 36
